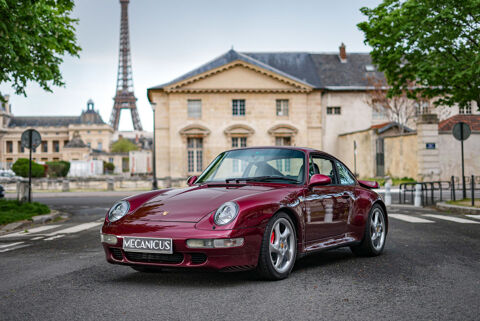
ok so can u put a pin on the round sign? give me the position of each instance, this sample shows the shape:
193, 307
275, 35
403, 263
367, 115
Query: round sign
34, 136
461, 131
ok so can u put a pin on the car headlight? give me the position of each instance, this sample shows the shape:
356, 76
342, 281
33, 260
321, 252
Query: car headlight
226, 213
118, 211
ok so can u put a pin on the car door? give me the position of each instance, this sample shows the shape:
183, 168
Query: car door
324, 205
346, 182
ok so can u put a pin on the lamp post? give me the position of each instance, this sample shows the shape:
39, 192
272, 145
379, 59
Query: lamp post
154, 167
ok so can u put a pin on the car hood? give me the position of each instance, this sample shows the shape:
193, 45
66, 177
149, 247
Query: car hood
192, 203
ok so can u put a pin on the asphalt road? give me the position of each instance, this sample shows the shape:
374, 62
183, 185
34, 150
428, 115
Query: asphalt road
429, 271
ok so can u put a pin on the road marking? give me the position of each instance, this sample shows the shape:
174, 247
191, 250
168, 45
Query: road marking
37, 238
408, 218
452, 219
76, 228
14, 248
477, 217
10, 244
31, 231
54, 237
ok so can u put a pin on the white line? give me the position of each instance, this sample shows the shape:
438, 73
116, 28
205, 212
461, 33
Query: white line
37, 238
54, 237
14, 248
452, 219
76, 228
408, 218
477, 217
10, 244
32, 231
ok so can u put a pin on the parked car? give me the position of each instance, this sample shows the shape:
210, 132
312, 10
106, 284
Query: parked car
2, 192
257, 208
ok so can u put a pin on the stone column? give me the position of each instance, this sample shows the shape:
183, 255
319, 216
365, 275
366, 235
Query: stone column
427, 149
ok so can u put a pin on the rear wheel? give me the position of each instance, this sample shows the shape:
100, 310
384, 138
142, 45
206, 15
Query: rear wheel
375, 234
146, 269
279, 248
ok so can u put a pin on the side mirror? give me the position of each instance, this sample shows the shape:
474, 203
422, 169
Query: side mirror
191, 180
369, 184
319, 179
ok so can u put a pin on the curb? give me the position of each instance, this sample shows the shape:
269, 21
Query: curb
462, 209
35, 220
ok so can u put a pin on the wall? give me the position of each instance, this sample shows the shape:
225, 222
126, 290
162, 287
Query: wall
450, 155
401, 156
365, 152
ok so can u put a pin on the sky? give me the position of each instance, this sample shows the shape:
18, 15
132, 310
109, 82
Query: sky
170, 38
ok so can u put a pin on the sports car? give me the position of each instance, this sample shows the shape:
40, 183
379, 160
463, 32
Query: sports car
257, 208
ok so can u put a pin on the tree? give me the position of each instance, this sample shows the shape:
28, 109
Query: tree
34, 37
432, 44
123, 145
58, 168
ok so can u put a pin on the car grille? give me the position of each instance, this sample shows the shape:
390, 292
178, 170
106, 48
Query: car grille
174, 258
116, 253
198, 258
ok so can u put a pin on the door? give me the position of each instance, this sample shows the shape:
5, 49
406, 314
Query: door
380, 159
324, 205
346, 182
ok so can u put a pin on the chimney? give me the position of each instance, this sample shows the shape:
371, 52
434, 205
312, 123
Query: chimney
343, 53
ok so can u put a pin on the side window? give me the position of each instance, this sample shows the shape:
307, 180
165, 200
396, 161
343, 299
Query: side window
319, 165
344, 175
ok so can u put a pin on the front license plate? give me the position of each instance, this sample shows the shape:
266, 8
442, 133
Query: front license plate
144, 244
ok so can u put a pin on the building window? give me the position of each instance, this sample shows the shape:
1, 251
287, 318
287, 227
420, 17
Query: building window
89, 144
65, 142
9, 147
238, 107
56, 146
239, 142
282, 107
88, 132
110, 160
422, 107
467, 110
44, 147
194, 108
334, 110
21, 149
283, 141
56, 159
195, 154
99, 146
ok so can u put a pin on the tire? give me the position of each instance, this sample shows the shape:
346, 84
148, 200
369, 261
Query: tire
375, 235
146, 269
278, 251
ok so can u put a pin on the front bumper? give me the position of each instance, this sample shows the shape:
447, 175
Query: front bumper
226, 259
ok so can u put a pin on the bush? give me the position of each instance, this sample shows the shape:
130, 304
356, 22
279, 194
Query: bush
20, 167
12, 210
58, 168
108, 167
123, 145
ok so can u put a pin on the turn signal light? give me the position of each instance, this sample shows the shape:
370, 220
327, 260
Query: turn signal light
214, 243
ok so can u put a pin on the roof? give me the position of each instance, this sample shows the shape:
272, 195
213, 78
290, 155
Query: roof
87, 117
381, 128
472, 120
318, 70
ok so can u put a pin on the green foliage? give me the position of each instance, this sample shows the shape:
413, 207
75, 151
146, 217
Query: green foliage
58, 168
34, 37
20, 167
108, 167
123, 145
432, 46
12, 210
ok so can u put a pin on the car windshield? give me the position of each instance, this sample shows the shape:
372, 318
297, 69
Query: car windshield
256, 164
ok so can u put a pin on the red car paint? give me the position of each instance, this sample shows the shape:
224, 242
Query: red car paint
187, 213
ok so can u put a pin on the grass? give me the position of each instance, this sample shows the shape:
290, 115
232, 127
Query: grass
465, 202
13, 211
395, 180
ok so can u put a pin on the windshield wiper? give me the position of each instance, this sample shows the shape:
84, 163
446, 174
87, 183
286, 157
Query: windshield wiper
262, 179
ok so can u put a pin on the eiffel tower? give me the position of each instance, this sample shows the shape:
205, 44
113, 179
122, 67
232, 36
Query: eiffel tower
124, 96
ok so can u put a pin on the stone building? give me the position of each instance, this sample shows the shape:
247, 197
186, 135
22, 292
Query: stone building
63, 137
277, 98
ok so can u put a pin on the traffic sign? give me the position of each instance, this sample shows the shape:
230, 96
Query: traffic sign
31, 136
461, 131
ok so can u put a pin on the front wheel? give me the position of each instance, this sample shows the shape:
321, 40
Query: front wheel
278, 251
375, 234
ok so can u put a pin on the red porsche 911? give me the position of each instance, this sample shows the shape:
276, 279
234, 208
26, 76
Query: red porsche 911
257, 208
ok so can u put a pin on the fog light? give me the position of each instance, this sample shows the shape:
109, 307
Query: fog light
109, 239
216, 243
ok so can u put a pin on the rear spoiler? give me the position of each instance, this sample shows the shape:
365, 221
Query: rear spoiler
369, 184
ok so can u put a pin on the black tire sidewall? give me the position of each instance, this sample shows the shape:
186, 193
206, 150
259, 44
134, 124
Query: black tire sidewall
368, 237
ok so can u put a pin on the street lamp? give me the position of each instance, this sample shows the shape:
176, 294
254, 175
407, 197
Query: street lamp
154, 183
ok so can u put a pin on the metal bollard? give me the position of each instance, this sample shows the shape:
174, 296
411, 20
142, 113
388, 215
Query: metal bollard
388, 194
418, 195
65, 185
110, 184
472, 184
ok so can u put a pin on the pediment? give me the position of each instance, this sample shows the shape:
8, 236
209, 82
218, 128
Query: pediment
239, 76
239, 130
283, 130
194, 130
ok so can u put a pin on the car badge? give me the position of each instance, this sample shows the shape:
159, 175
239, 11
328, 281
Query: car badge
165, 213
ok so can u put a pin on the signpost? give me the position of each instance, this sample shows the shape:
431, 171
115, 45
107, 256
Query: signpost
461, 131
30, 139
